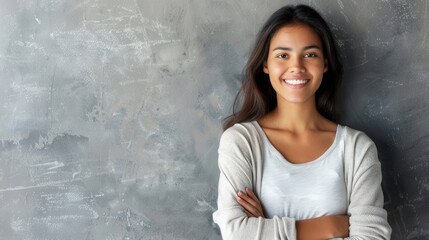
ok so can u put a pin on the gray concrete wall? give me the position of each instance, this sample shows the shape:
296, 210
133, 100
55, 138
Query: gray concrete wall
111, 110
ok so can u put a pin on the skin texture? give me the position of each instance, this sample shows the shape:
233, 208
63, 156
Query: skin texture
295, 53
294, 127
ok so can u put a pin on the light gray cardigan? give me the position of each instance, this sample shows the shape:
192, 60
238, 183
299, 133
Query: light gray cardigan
240, 162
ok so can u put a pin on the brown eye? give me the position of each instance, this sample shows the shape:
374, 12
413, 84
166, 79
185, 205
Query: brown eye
310, 55
282, 56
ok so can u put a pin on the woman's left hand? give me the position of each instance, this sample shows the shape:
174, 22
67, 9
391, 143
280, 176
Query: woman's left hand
251, 204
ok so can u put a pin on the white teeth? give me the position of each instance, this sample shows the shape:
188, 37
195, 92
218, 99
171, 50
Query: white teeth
295, 81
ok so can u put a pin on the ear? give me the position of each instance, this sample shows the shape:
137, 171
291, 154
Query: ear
265, 68
326, 66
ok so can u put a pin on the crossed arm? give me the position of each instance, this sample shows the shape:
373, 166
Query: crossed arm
240, 166
317, 228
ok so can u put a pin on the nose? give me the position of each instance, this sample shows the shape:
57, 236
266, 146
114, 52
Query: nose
296, 65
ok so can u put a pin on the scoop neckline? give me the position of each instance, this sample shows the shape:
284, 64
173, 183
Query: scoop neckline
286, 161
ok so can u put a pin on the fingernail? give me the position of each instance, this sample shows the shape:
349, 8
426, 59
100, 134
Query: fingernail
240, 193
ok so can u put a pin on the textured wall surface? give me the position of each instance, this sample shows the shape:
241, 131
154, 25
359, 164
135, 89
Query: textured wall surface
111, 110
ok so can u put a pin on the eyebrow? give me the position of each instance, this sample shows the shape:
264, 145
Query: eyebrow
290, 49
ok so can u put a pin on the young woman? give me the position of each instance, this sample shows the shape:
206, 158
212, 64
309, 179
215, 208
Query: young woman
288, 170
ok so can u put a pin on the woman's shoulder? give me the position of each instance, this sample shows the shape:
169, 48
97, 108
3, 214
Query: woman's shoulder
358, 147
356, 136
242, 139
240, 133
241, 129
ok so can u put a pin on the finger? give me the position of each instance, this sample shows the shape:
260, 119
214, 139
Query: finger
252, 195
257, 207
249, 214
245, 203
247, 206
256, 211
249, 199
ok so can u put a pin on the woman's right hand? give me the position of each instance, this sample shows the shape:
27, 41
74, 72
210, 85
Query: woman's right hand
323, 227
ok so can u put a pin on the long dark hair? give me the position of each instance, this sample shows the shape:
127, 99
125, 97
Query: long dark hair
257, 97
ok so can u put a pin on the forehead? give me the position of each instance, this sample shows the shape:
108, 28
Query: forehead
297, 35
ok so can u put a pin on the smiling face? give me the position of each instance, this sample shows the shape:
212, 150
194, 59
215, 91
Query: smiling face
295, 63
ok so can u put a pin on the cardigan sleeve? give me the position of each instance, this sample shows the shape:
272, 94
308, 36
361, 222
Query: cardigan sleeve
368, 219
237, 169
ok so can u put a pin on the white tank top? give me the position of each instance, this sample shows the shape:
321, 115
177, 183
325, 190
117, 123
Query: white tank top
303, 191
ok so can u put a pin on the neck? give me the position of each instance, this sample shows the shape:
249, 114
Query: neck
297, 117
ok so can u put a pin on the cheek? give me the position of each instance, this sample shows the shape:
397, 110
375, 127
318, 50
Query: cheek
276, 66
317, 66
